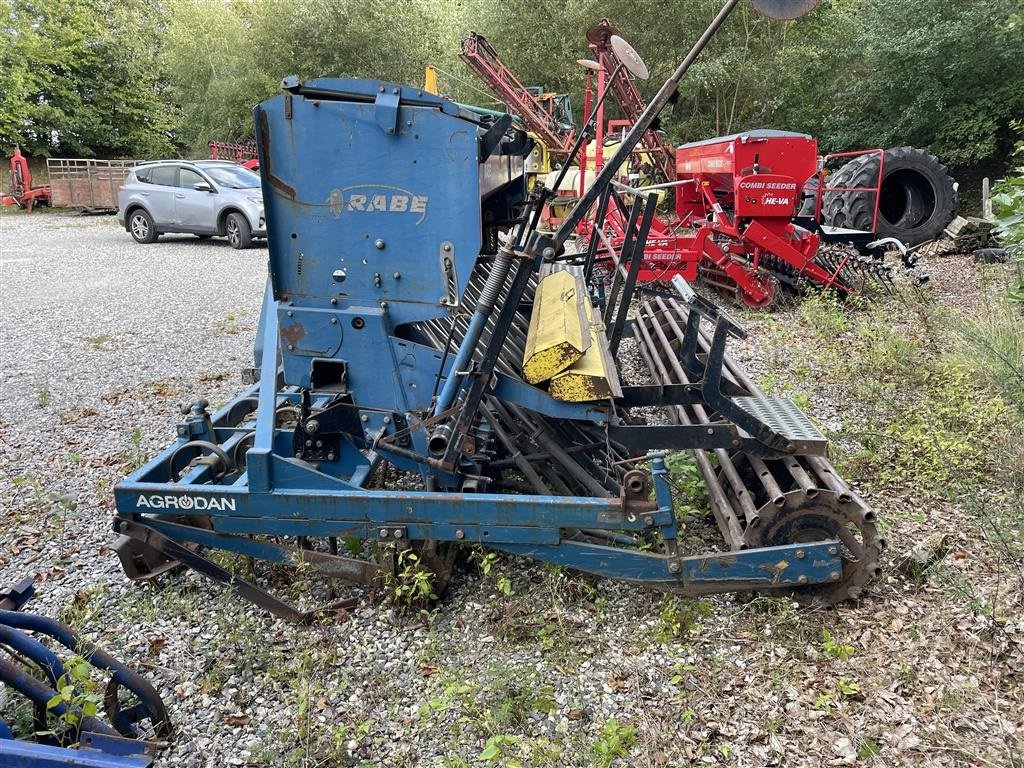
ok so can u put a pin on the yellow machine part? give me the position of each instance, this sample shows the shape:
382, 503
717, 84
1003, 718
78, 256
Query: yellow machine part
538, 164
593, 376
430, 80
559, 331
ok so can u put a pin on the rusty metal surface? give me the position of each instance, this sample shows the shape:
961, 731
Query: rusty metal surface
86, 183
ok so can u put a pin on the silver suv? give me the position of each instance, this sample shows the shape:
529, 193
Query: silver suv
206, 198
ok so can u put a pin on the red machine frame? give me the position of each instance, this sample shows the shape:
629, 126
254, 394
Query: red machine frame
22, 193
243, 154
875, 190
741, 194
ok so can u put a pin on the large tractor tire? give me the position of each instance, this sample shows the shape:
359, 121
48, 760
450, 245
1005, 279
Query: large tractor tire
917, 201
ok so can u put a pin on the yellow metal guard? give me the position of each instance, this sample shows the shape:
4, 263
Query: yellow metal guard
559, 331
592, 377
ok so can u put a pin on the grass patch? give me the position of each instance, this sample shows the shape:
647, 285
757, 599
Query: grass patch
100, 342
925, 401
935, 441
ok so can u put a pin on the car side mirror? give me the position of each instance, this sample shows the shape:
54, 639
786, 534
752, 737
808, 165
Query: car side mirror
202, 186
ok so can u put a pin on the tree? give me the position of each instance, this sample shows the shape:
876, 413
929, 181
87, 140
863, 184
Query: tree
930, 73
82, 77
224, 57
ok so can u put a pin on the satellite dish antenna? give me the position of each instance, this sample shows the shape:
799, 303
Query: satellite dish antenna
588, 64
783, 10
629, 58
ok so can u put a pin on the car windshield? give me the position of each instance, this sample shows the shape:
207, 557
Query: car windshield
233, 176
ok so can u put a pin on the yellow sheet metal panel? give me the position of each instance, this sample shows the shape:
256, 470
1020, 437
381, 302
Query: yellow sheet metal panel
559, 331
430, 80
593, 376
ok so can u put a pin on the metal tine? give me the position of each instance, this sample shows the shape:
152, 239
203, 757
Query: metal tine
635, 257
725, 515
700, 416
624, 252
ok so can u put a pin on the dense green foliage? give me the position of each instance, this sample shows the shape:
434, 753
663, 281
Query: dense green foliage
84, 77
1008, 207
97, 76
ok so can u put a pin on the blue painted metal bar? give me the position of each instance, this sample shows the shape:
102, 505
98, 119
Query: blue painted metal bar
22, 754
767, 568
257, 460
663, 493
380, 507
786, 565
462, 358
519, 392
16, 597
29, 648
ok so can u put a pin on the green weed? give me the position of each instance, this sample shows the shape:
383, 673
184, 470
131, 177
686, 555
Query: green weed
43, 395
688, 483
497, 747
614, 742
834, 648
679, 616
78, 695
847, 687
868, 749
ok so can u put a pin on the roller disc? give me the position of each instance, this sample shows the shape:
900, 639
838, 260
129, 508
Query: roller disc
770, 286
804, 519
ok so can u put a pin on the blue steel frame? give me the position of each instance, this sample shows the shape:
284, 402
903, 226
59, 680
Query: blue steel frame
100, 745
345, 276
96, 751
277, 495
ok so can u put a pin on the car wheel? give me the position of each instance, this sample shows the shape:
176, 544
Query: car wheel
238, 231
141, 227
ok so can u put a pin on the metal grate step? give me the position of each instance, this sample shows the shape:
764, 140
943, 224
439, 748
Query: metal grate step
783, 417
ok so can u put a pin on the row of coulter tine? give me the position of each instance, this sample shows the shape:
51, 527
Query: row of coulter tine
858, 272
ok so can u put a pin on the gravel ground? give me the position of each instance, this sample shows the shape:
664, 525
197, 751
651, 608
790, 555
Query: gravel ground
102, 339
